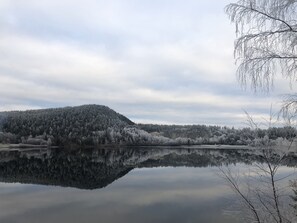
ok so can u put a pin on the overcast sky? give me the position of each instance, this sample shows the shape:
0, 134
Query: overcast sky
155, 61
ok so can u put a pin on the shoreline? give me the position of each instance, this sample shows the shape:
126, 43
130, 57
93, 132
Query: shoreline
206, 146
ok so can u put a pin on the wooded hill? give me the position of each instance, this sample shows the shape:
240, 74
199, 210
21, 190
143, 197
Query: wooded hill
61, 126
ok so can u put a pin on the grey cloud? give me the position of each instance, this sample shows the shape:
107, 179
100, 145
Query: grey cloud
154, 61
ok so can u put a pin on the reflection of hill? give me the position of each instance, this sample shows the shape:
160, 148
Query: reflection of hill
90, 169
60, 169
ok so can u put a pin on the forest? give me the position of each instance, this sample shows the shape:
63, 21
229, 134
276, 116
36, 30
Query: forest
95, 125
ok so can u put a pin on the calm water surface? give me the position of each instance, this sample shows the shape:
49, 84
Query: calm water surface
111, 186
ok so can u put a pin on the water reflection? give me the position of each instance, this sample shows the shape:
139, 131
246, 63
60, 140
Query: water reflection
93, 168
264, 194
144, 195
159, 185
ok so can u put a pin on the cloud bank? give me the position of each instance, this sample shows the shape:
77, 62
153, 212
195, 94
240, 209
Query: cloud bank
153, 61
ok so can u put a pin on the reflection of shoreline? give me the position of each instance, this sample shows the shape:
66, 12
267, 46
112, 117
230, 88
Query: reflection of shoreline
204, 146
97, 168
4, 147
30, 146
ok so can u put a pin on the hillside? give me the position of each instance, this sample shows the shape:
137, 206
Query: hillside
60, 126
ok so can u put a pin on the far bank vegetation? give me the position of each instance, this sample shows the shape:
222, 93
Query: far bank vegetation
94, 125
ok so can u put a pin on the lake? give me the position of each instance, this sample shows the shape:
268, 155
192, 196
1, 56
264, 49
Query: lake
127, 185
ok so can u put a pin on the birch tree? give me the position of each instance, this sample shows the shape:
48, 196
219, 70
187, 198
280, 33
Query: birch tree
266, 43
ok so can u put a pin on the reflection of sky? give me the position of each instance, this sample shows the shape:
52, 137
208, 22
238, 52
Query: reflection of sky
144, 195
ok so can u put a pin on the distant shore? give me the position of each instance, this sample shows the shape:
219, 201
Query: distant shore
31, 146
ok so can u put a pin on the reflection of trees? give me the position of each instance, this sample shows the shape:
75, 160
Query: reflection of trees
264, 195
97, 168
62, 169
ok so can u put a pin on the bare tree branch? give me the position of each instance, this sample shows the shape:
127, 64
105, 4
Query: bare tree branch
267, 41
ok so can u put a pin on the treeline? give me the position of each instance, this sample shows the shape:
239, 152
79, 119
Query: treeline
202, 134
93, 125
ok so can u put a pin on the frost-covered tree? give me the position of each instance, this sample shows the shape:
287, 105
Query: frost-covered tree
266, 43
